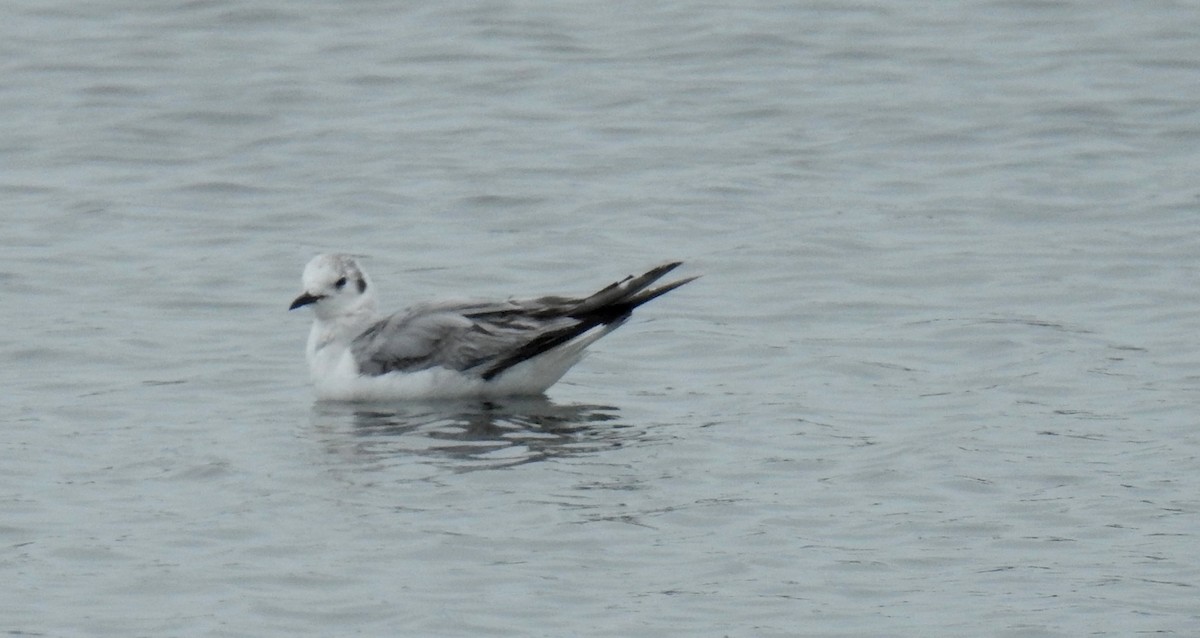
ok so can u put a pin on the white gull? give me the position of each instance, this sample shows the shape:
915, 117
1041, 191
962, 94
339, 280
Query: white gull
452, 349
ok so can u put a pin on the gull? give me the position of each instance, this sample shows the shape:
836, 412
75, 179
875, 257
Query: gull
452, 349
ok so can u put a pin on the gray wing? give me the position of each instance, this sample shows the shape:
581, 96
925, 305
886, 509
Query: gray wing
487, 338
458, 336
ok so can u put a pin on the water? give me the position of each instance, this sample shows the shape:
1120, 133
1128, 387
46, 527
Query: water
939, 377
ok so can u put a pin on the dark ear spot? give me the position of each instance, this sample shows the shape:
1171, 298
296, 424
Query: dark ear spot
362, 286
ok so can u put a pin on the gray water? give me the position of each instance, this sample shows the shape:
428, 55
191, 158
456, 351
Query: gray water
939, 377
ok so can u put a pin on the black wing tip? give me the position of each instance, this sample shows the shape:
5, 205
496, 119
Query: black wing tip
654, 293
642, 292
662, 269
611, 305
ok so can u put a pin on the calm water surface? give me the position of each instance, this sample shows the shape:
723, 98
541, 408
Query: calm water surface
939, 377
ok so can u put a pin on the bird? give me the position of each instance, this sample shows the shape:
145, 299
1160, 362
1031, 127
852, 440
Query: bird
453, 349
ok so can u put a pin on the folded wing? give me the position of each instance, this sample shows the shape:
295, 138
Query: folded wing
487, 338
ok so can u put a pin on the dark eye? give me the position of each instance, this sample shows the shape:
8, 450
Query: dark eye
341, 283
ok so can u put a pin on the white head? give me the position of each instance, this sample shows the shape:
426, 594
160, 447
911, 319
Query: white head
336, 288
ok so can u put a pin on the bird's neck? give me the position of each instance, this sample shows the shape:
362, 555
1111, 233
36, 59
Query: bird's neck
343, 327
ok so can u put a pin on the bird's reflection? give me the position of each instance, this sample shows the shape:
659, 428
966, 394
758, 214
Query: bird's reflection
470, 435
